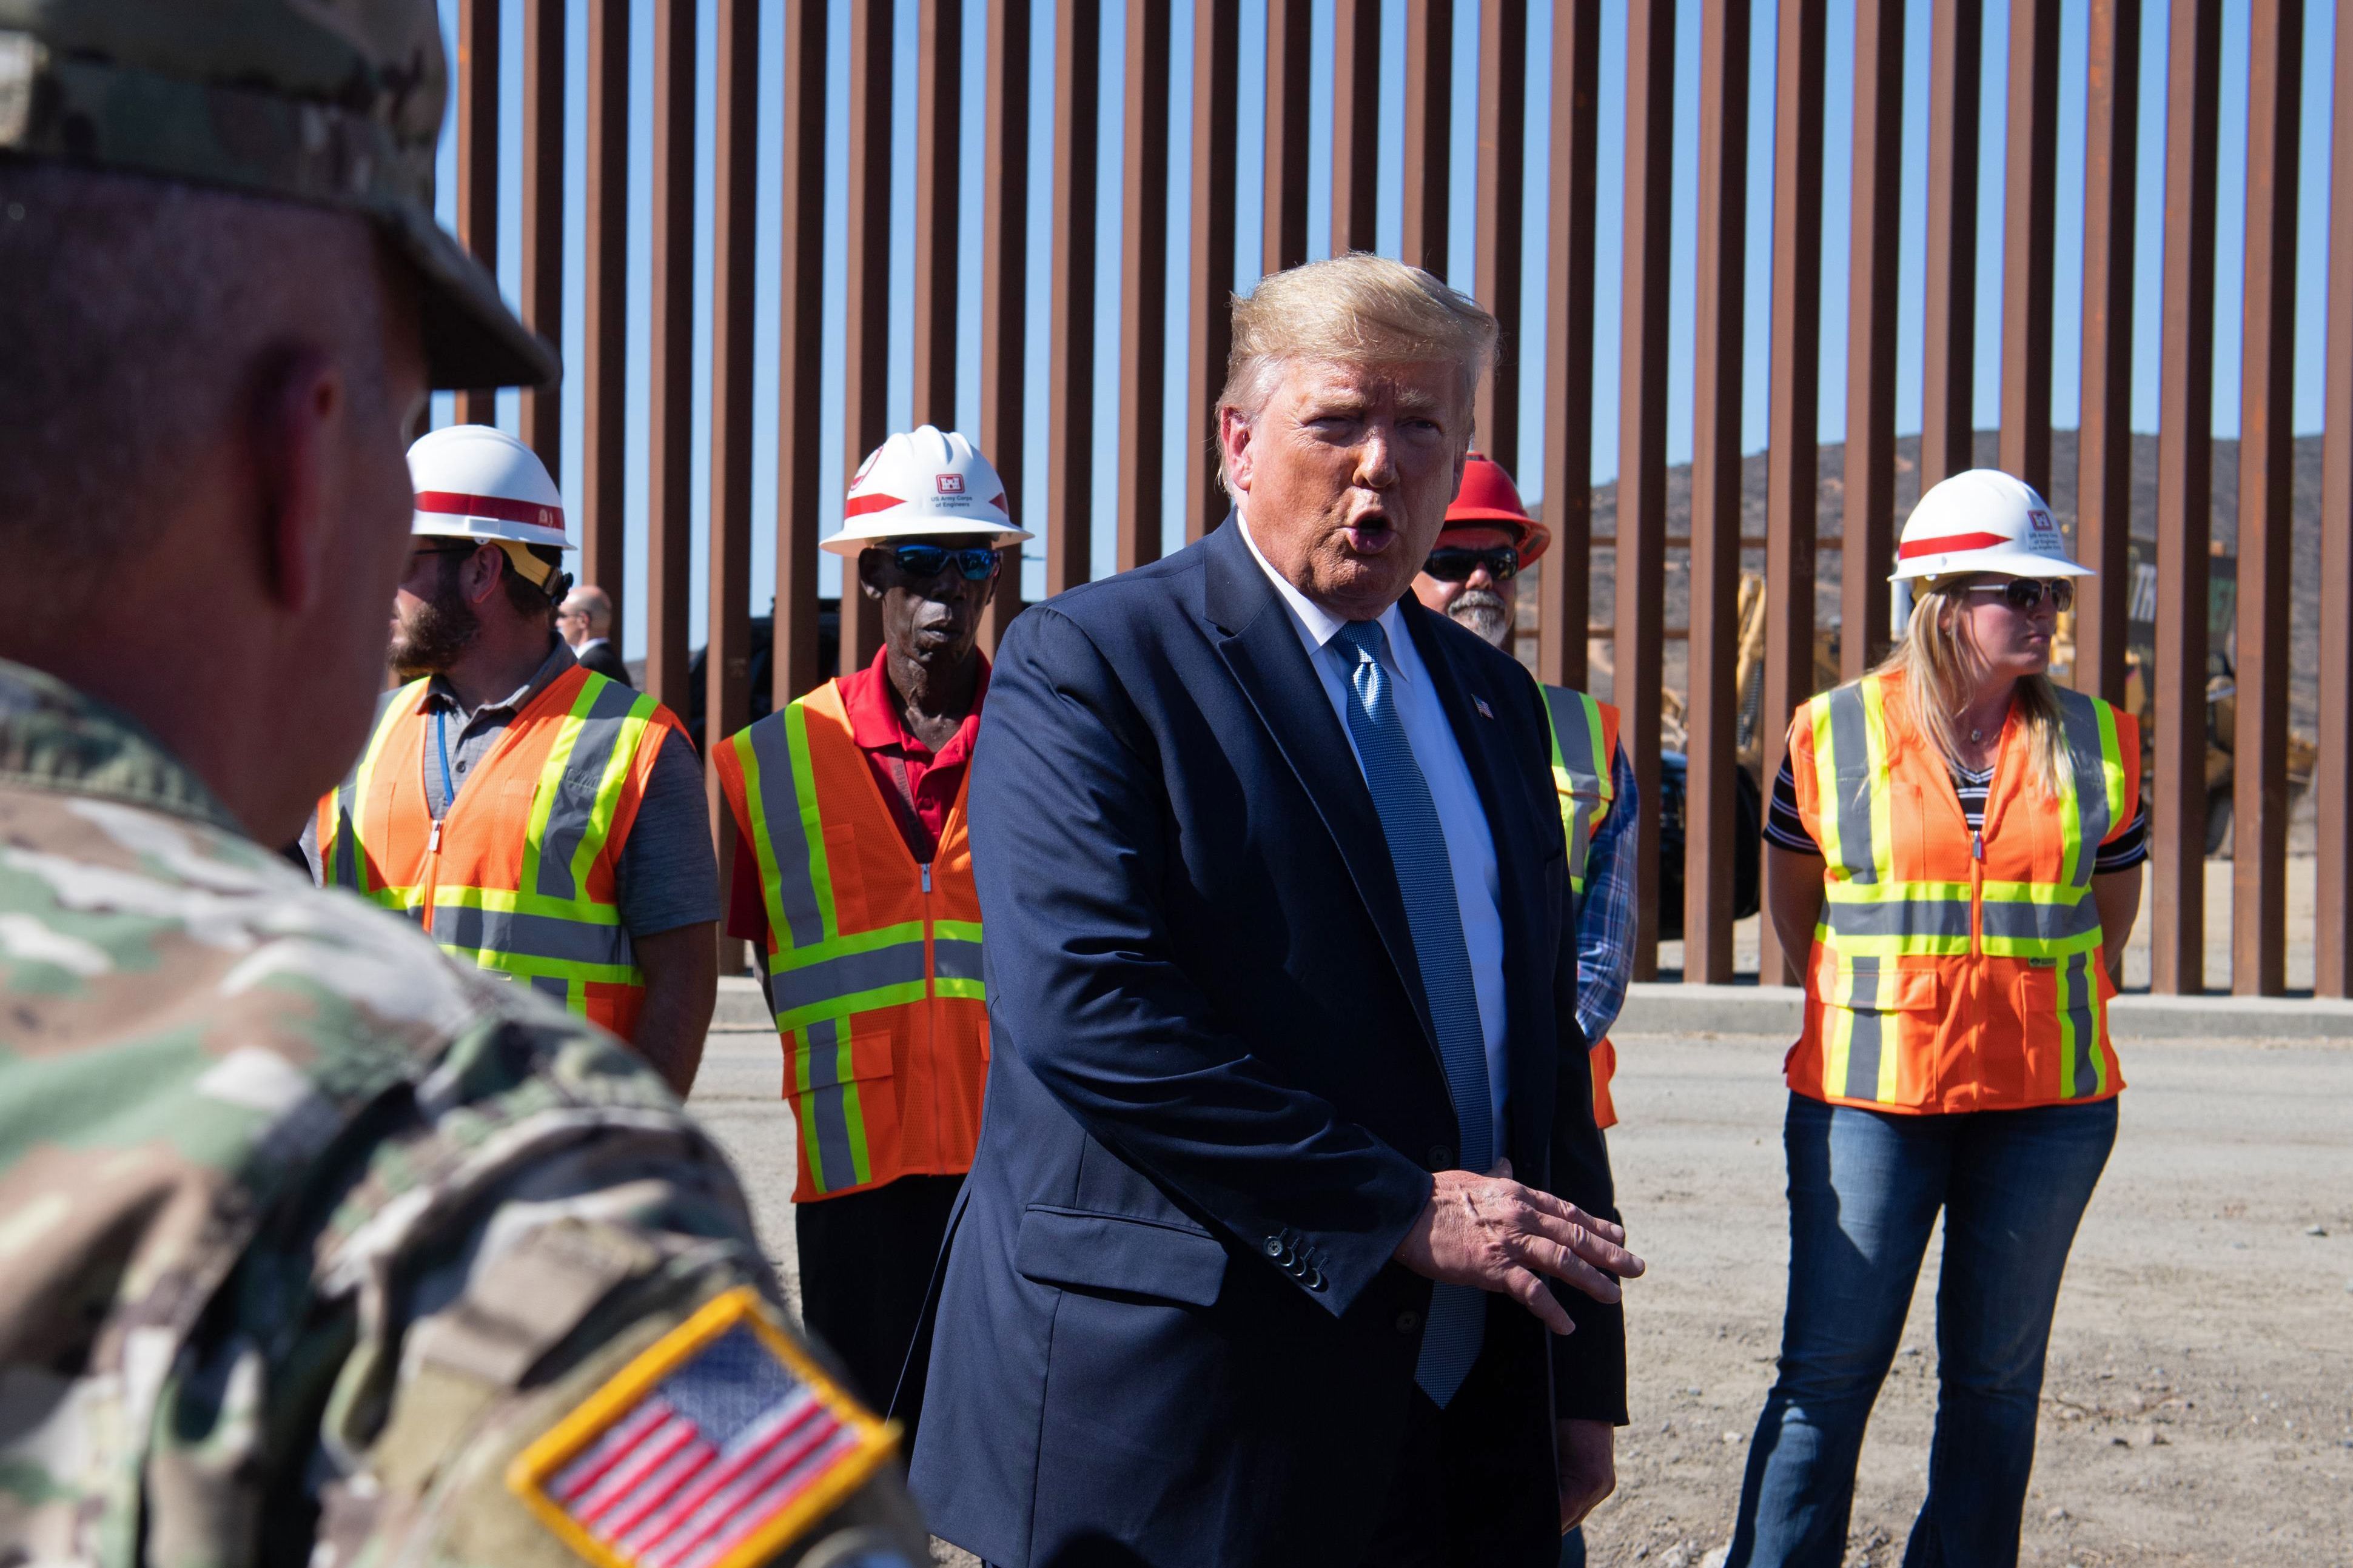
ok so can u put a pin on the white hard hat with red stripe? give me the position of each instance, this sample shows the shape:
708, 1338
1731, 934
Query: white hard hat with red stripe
1983, 519
476, 482
920, 483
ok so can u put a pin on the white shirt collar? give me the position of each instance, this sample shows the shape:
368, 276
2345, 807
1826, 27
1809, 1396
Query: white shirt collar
1317, 625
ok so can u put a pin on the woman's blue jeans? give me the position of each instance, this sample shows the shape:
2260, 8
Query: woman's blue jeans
1864, 1190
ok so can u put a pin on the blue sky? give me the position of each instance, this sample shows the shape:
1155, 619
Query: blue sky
1838, 140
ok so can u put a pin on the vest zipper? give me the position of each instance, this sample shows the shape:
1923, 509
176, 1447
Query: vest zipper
927, 875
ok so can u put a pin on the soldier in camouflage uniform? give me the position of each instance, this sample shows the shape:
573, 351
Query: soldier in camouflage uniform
313, 1248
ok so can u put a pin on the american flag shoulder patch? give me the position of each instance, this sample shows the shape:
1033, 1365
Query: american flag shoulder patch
721, 1444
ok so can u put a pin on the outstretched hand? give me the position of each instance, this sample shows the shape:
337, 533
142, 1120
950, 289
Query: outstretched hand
1492, 1233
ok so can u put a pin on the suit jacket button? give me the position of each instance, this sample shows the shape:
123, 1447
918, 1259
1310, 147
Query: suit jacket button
1408, 1323
1273, 1247
1441, 1158
1315, 1279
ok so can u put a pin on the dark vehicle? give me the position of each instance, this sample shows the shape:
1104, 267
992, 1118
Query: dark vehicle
761, 677
1747, 838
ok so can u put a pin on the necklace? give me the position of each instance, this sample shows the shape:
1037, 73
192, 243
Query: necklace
1976, 736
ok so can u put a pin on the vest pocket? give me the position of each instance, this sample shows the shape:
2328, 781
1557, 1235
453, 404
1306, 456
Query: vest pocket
845, 1101
1864, 1009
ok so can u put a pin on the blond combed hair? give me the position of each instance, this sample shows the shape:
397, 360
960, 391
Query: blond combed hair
1351, 310
1940, 669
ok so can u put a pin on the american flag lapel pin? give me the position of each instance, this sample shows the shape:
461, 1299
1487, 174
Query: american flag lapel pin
717, 1447
1481, 704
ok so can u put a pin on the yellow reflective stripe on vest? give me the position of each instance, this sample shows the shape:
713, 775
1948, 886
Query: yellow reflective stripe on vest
786, 833
1580, 773
340, 862
832, 1122
1857, 1054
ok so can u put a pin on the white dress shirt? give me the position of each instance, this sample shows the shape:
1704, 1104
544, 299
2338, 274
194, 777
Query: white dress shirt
1469, 846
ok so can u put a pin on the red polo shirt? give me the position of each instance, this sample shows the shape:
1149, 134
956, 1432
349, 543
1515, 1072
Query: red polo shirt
880, 731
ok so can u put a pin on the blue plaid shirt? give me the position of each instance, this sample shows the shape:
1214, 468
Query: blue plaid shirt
1605, 919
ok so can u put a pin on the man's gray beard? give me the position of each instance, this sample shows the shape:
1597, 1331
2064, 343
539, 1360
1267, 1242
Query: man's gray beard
1482, 610
430, 640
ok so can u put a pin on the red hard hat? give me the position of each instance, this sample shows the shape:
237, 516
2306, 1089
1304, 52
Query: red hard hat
1488, 496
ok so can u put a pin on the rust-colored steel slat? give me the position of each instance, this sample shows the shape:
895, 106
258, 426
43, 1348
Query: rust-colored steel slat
1429, 123
1641, 551
1948, 356
1071, 327
2332, 777
1564, 577
800, 353
1795, 388
1355, 126
1004, 286
2184, 505
1499, 224
939, 237
670, 419
2027, 238
735, 232
1217, 62
1143, 286
734, 229
1289, 42
477, 162
1875, 228
2266, 518
2103, 441
866, 297
541, 424
604, 378
1709, 847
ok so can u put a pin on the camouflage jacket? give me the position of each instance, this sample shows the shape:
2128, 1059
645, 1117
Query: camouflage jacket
306, 1234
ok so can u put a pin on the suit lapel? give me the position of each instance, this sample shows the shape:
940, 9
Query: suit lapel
1254, 634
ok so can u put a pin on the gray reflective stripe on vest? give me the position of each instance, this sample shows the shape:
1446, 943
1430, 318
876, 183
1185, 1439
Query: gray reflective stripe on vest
2079, 1002
2015, 919
531, 936
568, 820
1899, 917
1851, 767
2079, 721
955, 959
828, 1118
780, 805
899, 964
1867, 1032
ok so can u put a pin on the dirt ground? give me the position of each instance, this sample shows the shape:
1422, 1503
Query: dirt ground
2199, 1404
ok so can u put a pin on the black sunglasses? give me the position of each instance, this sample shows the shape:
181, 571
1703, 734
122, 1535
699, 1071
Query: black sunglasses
1454, 563
2025, 594
921, 562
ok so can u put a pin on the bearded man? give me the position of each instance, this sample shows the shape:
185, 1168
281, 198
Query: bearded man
538, 819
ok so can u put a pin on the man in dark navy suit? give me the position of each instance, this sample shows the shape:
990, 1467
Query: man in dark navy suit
1288, 1186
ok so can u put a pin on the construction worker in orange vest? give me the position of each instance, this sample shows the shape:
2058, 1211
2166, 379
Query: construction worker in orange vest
535, 818
1956, 849
1472, 576
853, 876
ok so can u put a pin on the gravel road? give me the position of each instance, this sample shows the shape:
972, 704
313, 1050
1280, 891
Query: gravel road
2199, 1404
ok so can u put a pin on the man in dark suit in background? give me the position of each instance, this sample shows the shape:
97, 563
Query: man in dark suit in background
1290, 1134
586, 622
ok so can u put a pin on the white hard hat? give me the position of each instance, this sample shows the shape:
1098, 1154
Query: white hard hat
920, 482
477, 482
1983, 519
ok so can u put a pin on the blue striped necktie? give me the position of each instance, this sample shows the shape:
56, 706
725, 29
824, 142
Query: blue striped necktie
1457, 1313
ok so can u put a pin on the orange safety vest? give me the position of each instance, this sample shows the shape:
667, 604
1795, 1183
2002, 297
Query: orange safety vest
1955, 972
519, 875
1584, 739
873, 957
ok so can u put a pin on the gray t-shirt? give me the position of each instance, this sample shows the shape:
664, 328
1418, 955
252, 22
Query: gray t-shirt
667, 876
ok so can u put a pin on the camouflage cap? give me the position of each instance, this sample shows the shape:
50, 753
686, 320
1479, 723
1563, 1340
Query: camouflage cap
333, 102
